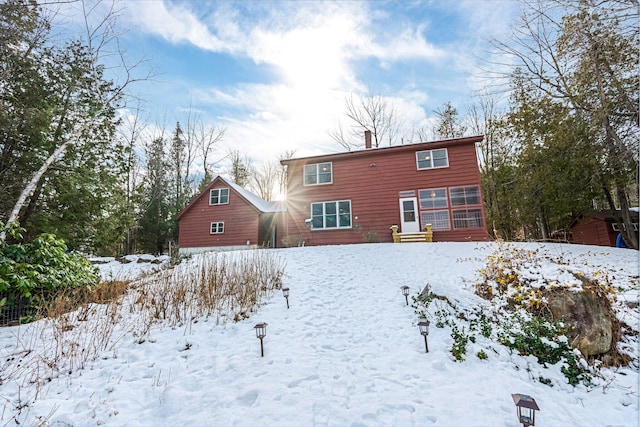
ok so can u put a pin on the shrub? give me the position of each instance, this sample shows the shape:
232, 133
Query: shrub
292, 241
39, 271
371, 237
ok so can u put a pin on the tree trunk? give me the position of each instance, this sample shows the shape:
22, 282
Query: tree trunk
629, 235
30, 188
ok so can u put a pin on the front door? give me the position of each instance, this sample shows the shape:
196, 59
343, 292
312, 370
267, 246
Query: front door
409, 215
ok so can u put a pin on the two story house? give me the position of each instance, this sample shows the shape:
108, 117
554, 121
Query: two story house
348, 197
356, 196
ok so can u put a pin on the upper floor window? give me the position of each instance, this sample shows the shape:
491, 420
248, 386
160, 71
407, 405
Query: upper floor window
430, 159
433, 198
219, 196
318, 173
217, 228
463, 196
326, 215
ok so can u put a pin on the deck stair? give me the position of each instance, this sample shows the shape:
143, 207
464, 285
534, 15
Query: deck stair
420, 236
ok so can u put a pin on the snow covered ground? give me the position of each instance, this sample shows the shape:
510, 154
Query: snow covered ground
346, 353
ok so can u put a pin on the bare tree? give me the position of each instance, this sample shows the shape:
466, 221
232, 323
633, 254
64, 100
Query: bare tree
264, 180
372, 113
207, 136
282, 172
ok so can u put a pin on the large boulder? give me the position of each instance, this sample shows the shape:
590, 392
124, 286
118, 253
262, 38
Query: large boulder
586, 316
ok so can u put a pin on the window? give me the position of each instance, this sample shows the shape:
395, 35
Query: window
463, 196
439, 220
219, 196
624, 226
217, 228
431, 159
327, 215
433, 198
467, 218
318, 173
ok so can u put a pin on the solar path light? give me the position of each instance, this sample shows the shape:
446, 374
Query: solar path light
424, 331
527, 408
261, 332
285, 293
405, 292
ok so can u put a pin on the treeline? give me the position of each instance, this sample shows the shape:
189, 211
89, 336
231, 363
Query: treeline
72, 164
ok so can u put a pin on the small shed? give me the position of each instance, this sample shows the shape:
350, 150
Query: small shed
598, 228
225, 216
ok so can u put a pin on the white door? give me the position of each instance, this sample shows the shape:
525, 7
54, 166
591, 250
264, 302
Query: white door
409, 215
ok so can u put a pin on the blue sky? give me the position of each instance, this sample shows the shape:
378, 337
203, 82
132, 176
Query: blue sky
276, 73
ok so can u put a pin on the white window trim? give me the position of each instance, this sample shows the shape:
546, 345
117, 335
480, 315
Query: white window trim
317, 165
446, 198
337, 227
465, 196
466, 209
431, 154
433, 225
219, 190
218, 223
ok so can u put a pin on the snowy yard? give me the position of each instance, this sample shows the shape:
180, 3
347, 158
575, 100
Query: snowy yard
346, 353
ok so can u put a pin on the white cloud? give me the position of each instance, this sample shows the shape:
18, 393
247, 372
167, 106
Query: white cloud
316, 51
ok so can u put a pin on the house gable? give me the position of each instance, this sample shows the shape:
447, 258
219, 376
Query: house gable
232, 218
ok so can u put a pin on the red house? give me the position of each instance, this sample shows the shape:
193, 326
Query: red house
226, 216
356, 196
349, 197
598, 228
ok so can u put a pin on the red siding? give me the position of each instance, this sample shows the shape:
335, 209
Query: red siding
594, 231
372, 180
241, 220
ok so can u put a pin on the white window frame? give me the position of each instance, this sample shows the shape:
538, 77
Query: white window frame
438, 224
336, 203
219, 227
465, 188
315, 171
426, 158
430, 192
467, 218
220, 196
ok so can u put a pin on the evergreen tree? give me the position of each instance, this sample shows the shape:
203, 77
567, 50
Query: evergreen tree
155, 220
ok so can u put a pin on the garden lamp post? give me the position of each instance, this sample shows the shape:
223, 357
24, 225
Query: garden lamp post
424, 331
527, 408
405, 292
261, 332
285, 293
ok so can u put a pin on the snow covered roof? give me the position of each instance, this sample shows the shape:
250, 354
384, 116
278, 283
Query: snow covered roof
255, 200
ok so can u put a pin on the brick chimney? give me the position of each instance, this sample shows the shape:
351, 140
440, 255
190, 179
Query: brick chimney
367, 139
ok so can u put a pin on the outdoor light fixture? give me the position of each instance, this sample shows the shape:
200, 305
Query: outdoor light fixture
285, 293
424, 331
527, 408
405, 292
261, 332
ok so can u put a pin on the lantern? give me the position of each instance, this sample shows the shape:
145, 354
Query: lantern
261, 332
424, 331
405, 292
527, 408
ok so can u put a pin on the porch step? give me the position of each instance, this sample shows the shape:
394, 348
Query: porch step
418, 236
412, 237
